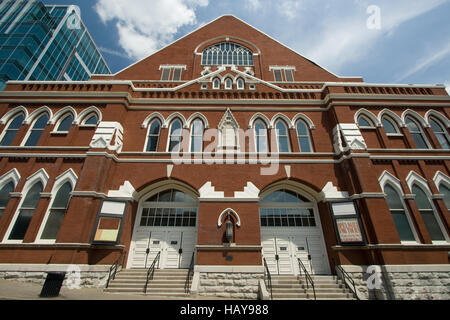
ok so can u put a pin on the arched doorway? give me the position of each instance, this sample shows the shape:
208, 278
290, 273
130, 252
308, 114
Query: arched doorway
166, 222
291, 229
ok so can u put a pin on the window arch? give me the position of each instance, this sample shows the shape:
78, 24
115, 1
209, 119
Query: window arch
261, 140
428, 213
154, 131
197, 129
90, 120
5, 195
176, 135
399, 214
11, 130
304, 137
228, 84
26, 212
216, 83
36, 130
389, 125
364, 122
282, 136
440, 132
227, 53
65, 123
240, 84
57, 212
417, 133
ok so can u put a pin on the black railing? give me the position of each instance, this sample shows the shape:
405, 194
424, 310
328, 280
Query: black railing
187, 285
308, 277
114, 267
151, 271
344, 275
268, 278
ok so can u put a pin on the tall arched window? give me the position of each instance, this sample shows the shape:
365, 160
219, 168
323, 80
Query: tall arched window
216, 83
364, 122
5, 196
282, 136
443, 189
12, 129
261, 137
57, 212
153, 136
417, 133
65, 124
228, 84
176, 134
399, 214
26, 212
389, 126
440, 132
428, 214
37, 130
304, 139
227, 53
197, 136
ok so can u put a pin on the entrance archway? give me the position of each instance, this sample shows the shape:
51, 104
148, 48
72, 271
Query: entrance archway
291, 230
166, 223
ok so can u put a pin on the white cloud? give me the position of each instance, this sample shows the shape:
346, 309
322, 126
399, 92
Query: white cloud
253, 5
428, 61
344, 37
145, 26
289, 8
447, 85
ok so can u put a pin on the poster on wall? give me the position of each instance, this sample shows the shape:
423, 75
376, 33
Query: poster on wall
347, 224
109, 223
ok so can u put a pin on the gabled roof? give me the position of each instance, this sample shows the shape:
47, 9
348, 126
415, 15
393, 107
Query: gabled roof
186, 51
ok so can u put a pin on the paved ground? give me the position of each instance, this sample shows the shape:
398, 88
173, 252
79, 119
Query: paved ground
14, 290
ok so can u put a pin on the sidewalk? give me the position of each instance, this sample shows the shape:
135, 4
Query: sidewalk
14, 290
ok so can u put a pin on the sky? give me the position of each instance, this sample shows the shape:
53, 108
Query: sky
384, 41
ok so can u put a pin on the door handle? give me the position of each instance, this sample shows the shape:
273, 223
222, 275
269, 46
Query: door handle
277, 257
147, 251
180, 251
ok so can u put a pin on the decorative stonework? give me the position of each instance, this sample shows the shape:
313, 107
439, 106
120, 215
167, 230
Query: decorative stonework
109, 135
348, 137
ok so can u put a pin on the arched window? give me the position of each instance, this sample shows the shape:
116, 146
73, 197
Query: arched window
228, 84
441, 133
26, 212
12, 129
417, 133
65, 124
37, 130
240, 84
284, 208
389, 126
261, 137
197, 136
304, 139
57, 212
153, 136
176, 134
5, 196
216, 84
170, 208
443, 189
282, 136
428, 214
399, 214
227, 53
363, 122
91, 120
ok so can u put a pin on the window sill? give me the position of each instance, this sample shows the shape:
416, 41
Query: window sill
394, 135
56, 133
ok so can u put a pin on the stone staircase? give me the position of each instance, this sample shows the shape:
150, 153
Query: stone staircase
295, 288
165, 283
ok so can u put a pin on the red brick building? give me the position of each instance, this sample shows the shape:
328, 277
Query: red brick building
225, 125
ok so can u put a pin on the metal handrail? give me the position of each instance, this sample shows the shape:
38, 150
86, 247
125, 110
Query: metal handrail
268, 277
187, 288
151, 271
308, 277
345, 275
114, 267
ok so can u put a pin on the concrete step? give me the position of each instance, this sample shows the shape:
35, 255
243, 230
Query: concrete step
310, 290
303, 285
311, 295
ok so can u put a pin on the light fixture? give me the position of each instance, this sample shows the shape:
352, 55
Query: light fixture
229, 229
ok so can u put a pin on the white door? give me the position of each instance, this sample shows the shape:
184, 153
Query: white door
171, 256
156, 245
141, 244
284, 251
188, 240
269, 249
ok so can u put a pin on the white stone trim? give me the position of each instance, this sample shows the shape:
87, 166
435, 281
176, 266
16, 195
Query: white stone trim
125, 191
12, 175
250, 191
415, 116
283, 117
61, 114
433, 113
195, 116
226, 211
391, 116
83, 114
229, 269
12, 114
208, 191
305, 118
259, 116
372, 118
171, 118
330, 193
414, 177
37, 113
439, 178
150, 119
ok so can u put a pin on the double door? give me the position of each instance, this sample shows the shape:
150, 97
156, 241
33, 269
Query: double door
176, 248
282, 251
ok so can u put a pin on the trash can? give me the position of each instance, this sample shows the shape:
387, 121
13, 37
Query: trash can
53, 284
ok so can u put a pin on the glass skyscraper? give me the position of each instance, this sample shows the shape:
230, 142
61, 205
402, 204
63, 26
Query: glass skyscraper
47, 43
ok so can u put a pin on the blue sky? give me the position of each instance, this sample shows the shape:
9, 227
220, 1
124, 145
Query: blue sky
401, 41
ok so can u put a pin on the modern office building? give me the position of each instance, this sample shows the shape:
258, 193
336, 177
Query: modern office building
228, 154
46, 42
